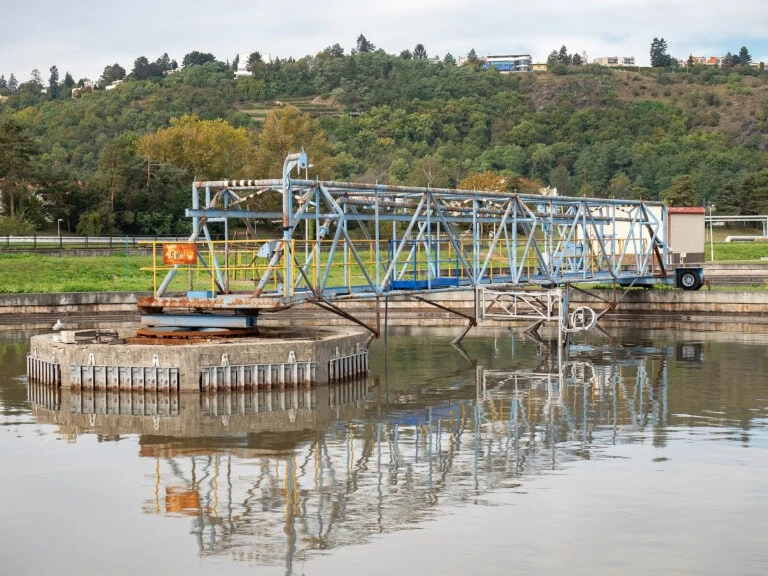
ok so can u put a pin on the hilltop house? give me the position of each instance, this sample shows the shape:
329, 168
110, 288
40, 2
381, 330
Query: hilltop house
242, 66
615, 61
510, 63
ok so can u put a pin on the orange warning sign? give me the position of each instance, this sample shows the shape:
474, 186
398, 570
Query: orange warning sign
179, 254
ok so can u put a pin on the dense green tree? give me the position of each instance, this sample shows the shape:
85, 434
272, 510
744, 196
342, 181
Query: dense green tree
112, 73
166, 63
449, 60
363, 45
406, 54
254, 58
143, 69
561, 179
472, 58
17, 149
13, 84
577, 60
196, 58
419, 52
256, 65
751, 195
563, 57
553, 59
53, 83
659, 53
620, 186
681, 192
745, 58
335, 51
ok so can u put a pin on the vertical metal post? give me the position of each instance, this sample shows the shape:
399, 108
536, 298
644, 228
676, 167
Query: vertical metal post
711, 234
346, 252
376, 232
475, 240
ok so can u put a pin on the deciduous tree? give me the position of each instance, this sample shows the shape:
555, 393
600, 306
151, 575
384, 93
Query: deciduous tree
207, 148
484, 181
419, 52
287, 130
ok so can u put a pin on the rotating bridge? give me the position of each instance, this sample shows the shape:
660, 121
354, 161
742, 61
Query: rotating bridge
345, 240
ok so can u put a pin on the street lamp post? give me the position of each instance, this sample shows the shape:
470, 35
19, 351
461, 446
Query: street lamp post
711, 234
58, 229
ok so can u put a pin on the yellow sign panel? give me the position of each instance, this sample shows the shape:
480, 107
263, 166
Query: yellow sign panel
179, 254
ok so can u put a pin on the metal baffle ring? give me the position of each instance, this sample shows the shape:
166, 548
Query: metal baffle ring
583, 318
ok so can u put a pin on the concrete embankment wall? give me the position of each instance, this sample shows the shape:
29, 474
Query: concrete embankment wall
70, 303
736, 274
711, 309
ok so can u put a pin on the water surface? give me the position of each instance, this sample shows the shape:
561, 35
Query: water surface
646, 453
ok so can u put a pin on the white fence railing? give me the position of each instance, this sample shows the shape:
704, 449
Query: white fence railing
35, 242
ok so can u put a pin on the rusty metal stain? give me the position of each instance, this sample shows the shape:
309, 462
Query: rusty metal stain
146, 335
180, 253
237, 303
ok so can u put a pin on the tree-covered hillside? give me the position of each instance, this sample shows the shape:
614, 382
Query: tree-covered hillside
122, 160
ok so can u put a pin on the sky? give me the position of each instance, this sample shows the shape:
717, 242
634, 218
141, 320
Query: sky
84, 36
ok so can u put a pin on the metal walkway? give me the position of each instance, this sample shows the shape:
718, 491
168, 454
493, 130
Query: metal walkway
344, 240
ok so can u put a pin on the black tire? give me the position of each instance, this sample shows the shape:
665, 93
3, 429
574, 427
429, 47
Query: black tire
690, 281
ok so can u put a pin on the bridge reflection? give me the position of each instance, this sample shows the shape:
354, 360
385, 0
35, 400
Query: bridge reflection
272, 477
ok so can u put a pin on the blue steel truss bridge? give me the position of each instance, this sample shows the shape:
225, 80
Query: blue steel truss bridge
342, 240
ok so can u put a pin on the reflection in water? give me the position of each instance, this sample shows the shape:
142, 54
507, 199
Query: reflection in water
271, 476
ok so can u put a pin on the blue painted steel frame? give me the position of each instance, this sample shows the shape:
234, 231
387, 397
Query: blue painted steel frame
492, 238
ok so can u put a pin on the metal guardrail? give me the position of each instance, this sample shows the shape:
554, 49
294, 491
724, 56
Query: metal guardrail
48, 242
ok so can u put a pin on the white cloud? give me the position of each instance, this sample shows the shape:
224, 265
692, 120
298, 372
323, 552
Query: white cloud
87, 35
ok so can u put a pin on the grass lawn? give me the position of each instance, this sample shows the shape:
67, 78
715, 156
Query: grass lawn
30, 273
738, 251
35, 273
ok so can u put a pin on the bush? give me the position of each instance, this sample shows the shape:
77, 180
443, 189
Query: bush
15, 226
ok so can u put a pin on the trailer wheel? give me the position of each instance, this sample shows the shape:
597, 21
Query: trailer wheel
690, 281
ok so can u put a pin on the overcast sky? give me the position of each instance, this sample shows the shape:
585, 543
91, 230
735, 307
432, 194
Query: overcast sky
84, 36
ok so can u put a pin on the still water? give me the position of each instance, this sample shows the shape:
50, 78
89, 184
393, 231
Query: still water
645, 453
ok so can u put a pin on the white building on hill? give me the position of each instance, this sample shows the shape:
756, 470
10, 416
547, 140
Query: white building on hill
242, 66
